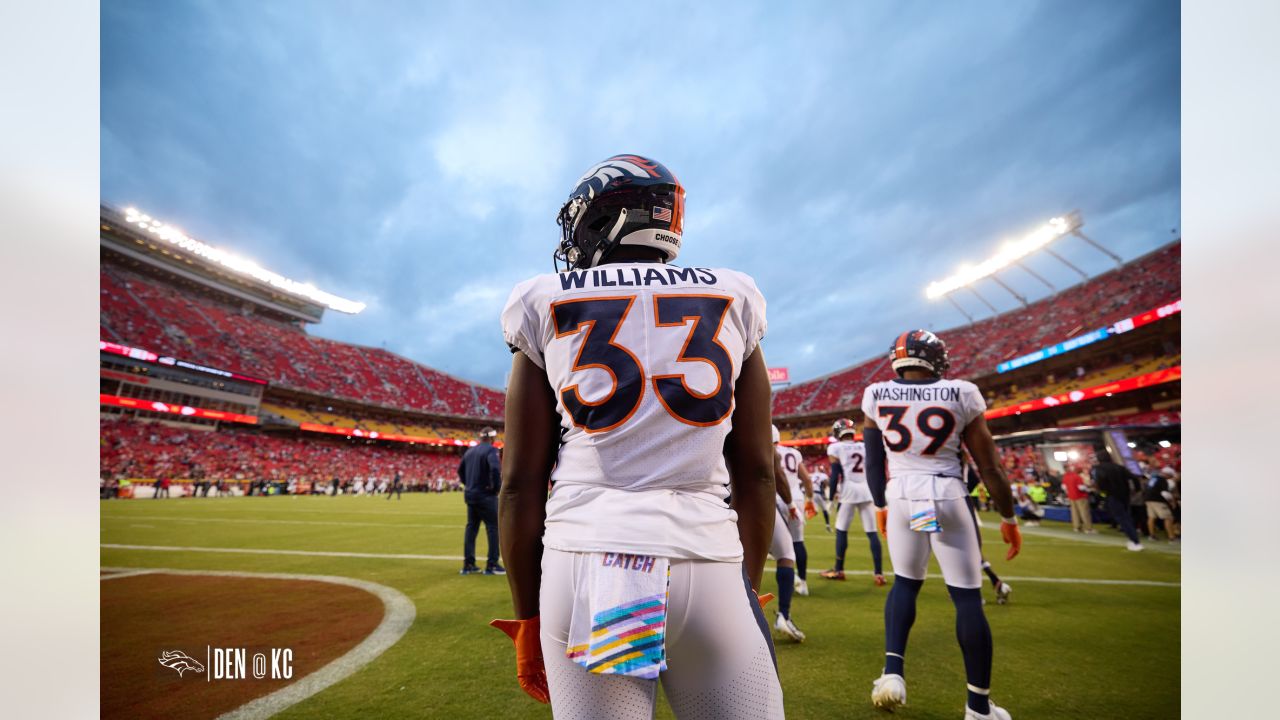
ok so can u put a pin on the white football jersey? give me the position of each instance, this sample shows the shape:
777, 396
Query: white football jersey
852, 456
819, 480
791, 460
922, 422
643, 359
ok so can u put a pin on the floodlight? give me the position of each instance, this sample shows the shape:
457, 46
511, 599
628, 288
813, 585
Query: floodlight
1009, 253
232, 262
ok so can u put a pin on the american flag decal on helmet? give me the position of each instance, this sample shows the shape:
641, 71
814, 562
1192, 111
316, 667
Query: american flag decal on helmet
661, 213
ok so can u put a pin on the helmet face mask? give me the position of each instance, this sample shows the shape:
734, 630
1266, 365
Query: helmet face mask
625, 200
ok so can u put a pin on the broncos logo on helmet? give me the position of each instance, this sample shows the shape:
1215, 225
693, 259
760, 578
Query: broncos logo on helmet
919, 349
619, 166
624, 200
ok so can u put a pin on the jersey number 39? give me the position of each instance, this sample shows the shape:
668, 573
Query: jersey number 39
935, 423
601, 318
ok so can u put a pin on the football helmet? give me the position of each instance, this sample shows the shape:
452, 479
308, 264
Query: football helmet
919, 349
777, 436
625, 200
488, 433
842, 427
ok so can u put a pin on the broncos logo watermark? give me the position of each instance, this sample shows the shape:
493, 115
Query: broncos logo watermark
180, 661
615, 167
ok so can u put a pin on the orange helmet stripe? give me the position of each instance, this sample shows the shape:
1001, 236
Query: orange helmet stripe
900, 346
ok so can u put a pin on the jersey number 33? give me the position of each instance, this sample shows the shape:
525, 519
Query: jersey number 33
600, 318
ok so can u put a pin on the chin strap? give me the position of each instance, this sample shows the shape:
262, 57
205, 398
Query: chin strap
608, 239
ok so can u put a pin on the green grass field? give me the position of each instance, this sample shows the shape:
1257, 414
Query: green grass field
1063, 648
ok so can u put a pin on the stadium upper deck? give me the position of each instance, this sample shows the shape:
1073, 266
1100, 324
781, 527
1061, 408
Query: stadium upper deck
1147, 282
158, 296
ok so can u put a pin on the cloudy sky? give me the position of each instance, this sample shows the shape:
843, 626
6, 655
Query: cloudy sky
844, 154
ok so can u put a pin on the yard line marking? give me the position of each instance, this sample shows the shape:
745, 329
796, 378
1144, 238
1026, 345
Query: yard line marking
405, 556
259, 521
1067, 581
398, 616
266, 551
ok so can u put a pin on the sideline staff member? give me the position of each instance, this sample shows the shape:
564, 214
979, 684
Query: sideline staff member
481, 474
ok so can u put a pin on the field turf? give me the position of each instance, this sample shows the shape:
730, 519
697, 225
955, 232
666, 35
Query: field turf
1065, 649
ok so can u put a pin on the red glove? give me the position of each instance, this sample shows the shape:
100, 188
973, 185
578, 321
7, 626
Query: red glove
530, 671
1012, 537
882, 522
764, 599
810, 512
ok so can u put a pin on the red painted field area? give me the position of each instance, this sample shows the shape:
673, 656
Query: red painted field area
145, 615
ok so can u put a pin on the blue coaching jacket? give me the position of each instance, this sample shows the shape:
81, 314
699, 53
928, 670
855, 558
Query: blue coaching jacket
480, 472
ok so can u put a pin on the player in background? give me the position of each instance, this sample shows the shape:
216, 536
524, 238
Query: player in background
915, 428
820, 481
639, 390
783, 551
801, 486
849, 478
972, 481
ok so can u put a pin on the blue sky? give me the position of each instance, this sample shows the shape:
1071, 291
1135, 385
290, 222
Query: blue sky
844, 154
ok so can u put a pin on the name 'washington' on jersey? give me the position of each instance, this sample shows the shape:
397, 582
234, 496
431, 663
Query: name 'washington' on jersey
922, 422
643, 359
851, 454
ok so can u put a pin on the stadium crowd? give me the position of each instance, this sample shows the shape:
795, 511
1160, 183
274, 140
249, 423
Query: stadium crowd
976, 349
142, 312
151, 451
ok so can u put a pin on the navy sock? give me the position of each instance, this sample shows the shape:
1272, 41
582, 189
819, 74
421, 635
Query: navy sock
974, 635
842, 544
786, 586
825, 517
875, 551
986, 568
899, 616
802, 559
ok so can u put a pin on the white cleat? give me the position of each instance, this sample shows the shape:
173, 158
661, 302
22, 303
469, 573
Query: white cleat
788, 628
1134, 547
1003, 592
888, 692
997, 713
802, 588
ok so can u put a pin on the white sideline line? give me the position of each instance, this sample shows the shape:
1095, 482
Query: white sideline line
399, 613
117, 573
266, 551
456, 558
258, 521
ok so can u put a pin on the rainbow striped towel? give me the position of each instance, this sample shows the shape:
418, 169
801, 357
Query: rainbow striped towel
619, 623
924, 516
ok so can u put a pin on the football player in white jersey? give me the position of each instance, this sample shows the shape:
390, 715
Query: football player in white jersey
639, 390
849, 477
917, 423
782, 549
800, 509
820, 480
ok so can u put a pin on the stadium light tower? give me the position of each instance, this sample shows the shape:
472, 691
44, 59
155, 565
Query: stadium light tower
179, 239
1013, 253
